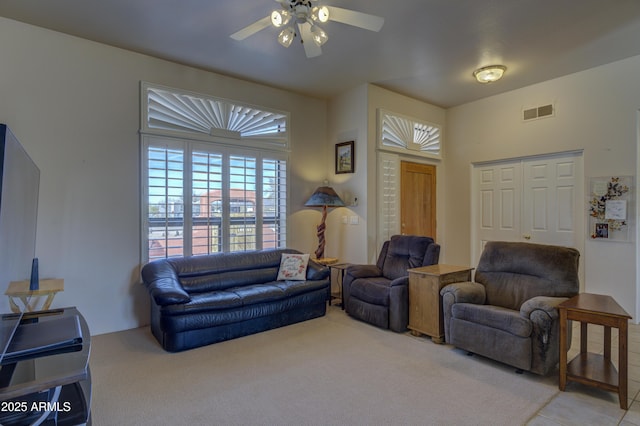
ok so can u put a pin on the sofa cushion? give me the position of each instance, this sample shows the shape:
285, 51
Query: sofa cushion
220, 271
258, 293
374, 290
293, 266
292, 288
243, 296
212, 318
496, 317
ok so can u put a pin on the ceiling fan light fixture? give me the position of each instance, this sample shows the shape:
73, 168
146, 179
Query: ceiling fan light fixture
320, 14
304, 18
489, 74
280, 18
320, 37
286, 36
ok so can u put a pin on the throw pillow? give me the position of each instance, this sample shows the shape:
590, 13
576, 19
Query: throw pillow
293, 267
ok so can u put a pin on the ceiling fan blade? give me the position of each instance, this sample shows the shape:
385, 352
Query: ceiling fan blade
252, 29
310, 48
357, 19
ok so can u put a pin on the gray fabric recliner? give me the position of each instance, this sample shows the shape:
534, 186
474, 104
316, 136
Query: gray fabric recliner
379, 294
510, 313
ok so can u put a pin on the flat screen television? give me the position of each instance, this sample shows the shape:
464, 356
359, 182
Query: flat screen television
19, 188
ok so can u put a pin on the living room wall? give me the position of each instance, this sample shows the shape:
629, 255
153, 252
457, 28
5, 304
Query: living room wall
347, 121
74, 105
380, 98
597, 112
353, 116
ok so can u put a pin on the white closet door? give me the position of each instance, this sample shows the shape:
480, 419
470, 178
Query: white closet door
550, 200
498, 200
534, 200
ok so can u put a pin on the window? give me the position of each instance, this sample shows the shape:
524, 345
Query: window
211, 193
407, 135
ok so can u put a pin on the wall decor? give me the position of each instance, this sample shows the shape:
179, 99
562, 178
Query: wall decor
610, 204
345, 157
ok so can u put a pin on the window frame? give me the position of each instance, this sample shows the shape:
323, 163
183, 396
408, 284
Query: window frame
271, 147
402, 131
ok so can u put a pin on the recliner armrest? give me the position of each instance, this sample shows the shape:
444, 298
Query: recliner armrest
364, 271
547, 304
400, 281
465, 292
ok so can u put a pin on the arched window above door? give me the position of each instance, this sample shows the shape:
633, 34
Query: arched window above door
408, 135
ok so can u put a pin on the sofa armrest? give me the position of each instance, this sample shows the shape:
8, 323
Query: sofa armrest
163, 284
464, 292
316, 271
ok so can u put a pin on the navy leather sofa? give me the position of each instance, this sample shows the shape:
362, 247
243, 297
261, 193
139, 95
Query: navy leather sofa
200, 300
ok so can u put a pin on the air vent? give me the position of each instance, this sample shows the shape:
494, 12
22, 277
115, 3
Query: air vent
538, 112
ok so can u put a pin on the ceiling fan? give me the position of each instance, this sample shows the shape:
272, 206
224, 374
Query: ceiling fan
307, 14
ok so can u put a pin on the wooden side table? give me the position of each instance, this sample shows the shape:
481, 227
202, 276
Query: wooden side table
326, 261
589, 368
425, 302
19, 291
341, 268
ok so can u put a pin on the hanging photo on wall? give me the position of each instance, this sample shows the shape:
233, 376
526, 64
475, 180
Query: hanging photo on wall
602, 230
345, 157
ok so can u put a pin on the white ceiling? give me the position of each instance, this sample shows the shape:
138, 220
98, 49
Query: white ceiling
426, 49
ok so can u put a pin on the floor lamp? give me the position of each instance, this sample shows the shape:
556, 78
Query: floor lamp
323, 197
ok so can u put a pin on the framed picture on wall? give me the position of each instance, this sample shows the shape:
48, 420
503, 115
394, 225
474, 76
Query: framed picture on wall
345, 157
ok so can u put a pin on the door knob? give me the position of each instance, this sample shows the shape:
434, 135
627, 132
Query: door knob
526, 236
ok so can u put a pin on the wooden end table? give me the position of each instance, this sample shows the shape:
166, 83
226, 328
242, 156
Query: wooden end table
589, 368
327, 261
341, 268
425, 302
19, 291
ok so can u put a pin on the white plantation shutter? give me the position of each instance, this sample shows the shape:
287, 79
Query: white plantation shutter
165, 186
389, 196
274, 203
171, 111
405, 134
204, 190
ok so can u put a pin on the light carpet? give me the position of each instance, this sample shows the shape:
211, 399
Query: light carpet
332, 370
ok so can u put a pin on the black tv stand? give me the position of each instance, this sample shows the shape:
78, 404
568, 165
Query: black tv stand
47, 380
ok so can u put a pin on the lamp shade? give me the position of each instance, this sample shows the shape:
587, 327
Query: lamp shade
324, 196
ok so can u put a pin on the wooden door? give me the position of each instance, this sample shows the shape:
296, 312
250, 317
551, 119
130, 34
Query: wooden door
417, 199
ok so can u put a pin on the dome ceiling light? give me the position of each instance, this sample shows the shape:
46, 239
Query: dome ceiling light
489, 74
